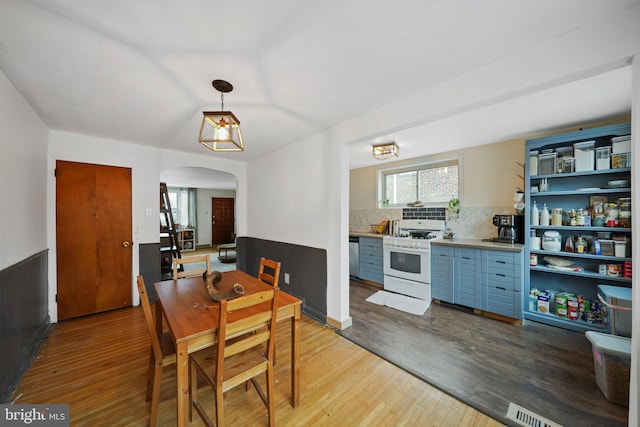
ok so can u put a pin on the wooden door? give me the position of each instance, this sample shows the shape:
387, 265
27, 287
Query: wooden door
222, 220
93, 238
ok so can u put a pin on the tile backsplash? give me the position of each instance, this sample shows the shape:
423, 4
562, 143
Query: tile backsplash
471, 223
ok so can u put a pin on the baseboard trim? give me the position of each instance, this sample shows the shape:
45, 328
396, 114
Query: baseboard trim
339, 325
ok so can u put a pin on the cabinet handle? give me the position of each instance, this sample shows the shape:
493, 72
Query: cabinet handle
466, 257
498, 287
501, 275
501, 262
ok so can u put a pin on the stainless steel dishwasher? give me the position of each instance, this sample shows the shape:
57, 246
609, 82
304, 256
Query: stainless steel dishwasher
354, 256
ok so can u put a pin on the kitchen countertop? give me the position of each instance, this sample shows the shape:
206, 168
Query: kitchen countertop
479, 243
365, 234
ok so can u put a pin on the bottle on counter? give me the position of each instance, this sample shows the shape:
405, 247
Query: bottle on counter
535, 214
544, 215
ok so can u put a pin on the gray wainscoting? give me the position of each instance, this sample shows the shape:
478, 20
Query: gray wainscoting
149, 266
306, 266
24, 318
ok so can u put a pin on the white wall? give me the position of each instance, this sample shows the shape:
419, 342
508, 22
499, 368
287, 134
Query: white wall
289, 194
204, 196
146, 164
23, 193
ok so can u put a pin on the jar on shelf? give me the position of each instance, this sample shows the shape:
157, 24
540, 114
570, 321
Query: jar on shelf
624, 214
556, 217
599, 217
580, 218
551, 241
611, 212
533, 163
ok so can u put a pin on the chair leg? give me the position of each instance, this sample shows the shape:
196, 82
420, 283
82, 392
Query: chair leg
155, 396
150, 376
219, 406
270, 406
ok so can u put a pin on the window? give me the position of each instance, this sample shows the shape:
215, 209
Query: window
183, 206
430, 183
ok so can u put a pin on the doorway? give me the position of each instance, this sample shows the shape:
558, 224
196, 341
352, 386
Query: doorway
93, 238
222, 220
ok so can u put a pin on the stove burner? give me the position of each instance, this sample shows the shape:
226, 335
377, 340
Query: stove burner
423, 235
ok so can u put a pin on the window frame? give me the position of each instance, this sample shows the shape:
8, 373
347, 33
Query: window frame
415, 167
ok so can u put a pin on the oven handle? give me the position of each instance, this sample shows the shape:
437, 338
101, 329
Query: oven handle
417, 251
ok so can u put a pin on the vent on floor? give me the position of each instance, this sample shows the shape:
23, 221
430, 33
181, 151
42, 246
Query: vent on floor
527, 418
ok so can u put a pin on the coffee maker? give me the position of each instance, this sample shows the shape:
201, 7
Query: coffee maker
510, 228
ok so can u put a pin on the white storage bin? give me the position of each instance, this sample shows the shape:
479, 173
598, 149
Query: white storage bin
621, 144
584, 153
603, 158
612, 364
620, 320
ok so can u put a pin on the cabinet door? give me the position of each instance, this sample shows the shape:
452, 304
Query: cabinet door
371, 259
502, 301
469, 278
442, 273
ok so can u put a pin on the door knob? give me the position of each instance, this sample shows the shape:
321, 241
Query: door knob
126, 244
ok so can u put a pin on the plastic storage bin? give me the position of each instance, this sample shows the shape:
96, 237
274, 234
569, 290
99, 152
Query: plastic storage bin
603, 158
621, 144
620, 320
547, 163
612, 364
584, 153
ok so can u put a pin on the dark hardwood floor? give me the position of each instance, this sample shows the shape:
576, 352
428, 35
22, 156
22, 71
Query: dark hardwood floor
488, 363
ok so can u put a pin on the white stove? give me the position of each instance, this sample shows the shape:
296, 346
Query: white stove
415, 233
407, 258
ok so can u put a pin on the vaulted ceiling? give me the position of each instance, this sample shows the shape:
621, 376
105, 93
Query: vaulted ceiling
140, 71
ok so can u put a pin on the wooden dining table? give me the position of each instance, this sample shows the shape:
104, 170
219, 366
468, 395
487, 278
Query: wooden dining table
185, 306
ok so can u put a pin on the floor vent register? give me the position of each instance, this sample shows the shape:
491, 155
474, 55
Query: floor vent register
527, 418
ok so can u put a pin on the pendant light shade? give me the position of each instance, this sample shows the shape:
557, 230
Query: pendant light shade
220, 130
385, 151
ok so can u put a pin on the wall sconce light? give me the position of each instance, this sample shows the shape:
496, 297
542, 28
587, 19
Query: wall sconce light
385, 151
220, 130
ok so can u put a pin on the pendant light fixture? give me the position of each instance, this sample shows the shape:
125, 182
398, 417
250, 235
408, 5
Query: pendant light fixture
220, 130
385, 151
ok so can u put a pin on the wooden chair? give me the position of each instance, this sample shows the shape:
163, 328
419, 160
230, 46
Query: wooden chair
180, 262
269, 271
238, 357
163, 353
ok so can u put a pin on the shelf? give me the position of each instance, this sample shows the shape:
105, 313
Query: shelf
574, 325
577, 255
584, 273
582, 173
582, 192
572, 191
580, 228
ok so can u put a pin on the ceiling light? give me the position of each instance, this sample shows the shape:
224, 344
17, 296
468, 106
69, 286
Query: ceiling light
385, 151
220, 130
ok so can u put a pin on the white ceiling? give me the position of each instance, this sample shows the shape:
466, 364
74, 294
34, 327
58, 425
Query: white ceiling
141, 71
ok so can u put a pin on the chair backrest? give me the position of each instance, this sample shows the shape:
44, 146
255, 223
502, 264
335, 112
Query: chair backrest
269, 272
177, 262
148, 317
263, 322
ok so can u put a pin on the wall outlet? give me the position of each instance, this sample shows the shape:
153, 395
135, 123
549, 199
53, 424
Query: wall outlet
286, 278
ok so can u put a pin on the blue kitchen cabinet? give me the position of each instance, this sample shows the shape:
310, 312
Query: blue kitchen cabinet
442, 274
371, 259
491, 280
503, 282
469, 275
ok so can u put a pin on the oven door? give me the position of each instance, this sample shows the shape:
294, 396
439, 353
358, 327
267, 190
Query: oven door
407, 263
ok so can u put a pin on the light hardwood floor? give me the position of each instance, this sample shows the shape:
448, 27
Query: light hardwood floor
98, 364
